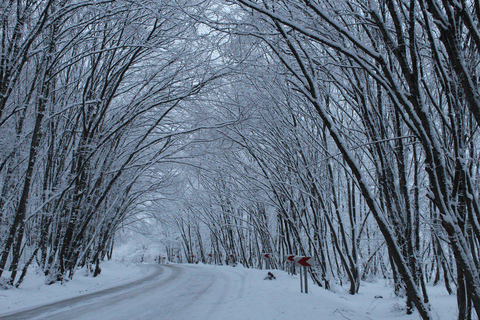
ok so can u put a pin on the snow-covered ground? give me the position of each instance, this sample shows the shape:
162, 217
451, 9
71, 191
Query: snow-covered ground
210, 292
281, 299
33, 292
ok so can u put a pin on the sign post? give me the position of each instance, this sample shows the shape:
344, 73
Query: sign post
304, 262
305, 273
290, 263
301, 280
267, 257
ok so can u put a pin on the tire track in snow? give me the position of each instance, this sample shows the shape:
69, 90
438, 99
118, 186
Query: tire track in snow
170, 292
90, 299
242, 275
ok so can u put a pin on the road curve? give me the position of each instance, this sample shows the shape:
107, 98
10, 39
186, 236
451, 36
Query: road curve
170, 292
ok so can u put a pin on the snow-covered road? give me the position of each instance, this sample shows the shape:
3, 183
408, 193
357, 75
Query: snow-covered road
204, 292
171, 292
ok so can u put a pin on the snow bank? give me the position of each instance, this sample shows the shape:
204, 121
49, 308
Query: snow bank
33, 292
281, 299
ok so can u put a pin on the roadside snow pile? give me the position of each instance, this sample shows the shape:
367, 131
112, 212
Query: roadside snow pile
281, 299
34, 292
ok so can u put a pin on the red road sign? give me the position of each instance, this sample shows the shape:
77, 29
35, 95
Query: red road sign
209, 254
267, 255
290, 257
231, 255
304, 261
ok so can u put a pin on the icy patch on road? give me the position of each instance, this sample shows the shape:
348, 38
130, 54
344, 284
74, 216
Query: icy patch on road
33, 291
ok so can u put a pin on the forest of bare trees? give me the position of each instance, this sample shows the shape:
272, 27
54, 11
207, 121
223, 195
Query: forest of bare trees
342, 130
91, 97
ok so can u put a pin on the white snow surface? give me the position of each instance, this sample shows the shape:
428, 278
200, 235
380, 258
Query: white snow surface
33, 291
180, 291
